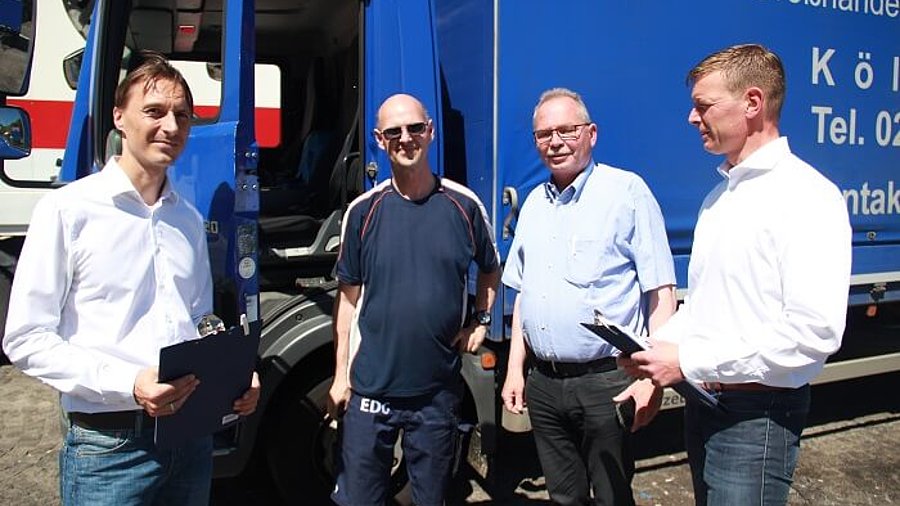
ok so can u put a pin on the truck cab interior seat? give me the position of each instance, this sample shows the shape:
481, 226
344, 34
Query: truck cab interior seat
113, 145
346, 181
296, 205
295, 184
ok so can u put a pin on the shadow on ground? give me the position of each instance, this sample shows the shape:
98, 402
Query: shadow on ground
837, 409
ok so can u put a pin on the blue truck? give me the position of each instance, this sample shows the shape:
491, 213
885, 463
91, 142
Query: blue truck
274, 207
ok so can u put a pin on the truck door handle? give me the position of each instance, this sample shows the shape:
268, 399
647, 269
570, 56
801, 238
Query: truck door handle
511, 199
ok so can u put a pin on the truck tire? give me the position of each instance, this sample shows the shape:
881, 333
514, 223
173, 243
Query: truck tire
300, 443
5, 287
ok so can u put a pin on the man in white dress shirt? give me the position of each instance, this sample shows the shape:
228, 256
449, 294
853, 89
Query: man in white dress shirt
768, 284
115, 267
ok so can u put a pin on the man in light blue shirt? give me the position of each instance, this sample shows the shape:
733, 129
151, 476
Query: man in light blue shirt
594, 239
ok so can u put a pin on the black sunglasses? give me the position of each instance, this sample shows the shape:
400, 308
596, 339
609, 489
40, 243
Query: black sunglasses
397, 131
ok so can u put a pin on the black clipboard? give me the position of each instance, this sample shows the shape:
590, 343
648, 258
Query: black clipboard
224, 364
628, 344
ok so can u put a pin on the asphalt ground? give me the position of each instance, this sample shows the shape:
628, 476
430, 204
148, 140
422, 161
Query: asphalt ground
850, 454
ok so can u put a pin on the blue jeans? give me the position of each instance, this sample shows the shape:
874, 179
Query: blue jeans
746, 456
124, 468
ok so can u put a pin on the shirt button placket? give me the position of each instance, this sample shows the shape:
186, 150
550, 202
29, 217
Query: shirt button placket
162, 273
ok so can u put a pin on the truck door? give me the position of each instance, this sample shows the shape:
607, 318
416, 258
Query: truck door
400, 57
216, 171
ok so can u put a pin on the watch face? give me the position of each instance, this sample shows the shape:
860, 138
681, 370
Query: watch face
483, 317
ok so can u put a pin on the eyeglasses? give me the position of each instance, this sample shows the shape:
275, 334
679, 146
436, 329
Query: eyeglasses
565, 132
397, 131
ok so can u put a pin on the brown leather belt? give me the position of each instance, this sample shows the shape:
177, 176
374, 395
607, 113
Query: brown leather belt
714, 386
574, 369
112, 420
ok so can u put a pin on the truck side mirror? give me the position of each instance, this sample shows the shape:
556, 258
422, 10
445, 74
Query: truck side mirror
16, 46
15, 133
72, 67
214, 71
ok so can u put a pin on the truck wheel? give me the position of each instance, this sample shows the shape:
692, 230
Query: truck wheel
301, 442
5, 287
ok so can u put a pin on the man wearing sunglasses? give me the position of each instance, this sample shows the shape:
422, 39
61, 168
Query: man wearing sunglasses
594, 240
405, 253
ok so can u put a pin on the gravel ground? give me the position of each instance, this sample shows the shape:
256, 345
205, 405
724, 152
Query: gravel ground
29, 440
850, 456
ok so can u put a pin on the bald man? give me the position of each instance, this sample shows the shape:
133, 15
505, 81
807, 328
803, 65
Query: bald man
406, 249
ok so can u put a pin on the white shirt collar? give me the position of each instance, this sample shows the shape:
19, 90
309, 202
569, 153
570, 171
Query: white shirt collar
763, 159
117, 182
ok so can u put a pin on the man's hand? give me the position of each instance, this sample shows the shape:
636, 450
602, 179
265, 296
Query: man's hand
513, 393
338, 397
660, 363
246, 404
469, 339
647, 400
162, 399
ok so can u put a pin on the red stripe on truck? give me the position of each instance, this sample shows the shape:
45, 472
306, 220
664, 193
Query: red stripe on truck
268, 127
50, 122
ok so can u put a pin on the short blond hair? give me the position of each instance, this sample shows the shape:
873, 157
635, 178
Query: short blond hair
744, 66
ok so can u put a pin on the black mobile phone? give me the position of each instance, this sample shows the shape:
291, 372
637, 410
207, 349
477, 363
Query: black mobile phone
625, 413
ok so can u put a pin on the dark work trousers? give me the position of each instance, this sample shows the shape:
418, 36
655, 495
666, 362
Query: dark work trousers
430, 426
580, 442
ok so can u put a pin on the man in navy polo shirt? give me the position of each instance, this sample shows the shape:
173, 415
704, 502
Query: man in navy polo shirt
406, 249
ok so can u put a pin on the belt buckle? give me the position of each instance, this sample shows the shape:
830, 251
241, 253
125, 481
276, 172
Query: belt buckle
712, 386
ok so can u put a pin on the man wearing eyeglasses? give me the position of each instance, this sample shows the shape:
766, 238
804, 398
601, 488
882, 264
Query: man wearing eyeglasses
590, 238
405, 254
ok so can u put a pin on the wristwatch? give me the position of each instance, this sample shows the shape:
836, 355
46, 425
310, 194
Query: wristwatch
482, 318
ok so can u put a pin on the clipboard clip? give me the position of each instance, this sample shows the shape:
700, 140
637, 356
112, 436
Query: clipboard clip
599, 319
212, 324
245, 324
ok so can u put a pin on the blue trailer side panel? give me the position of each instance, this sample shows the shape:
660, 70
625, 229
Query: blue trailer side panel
630, 59
400, 57
465, 35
